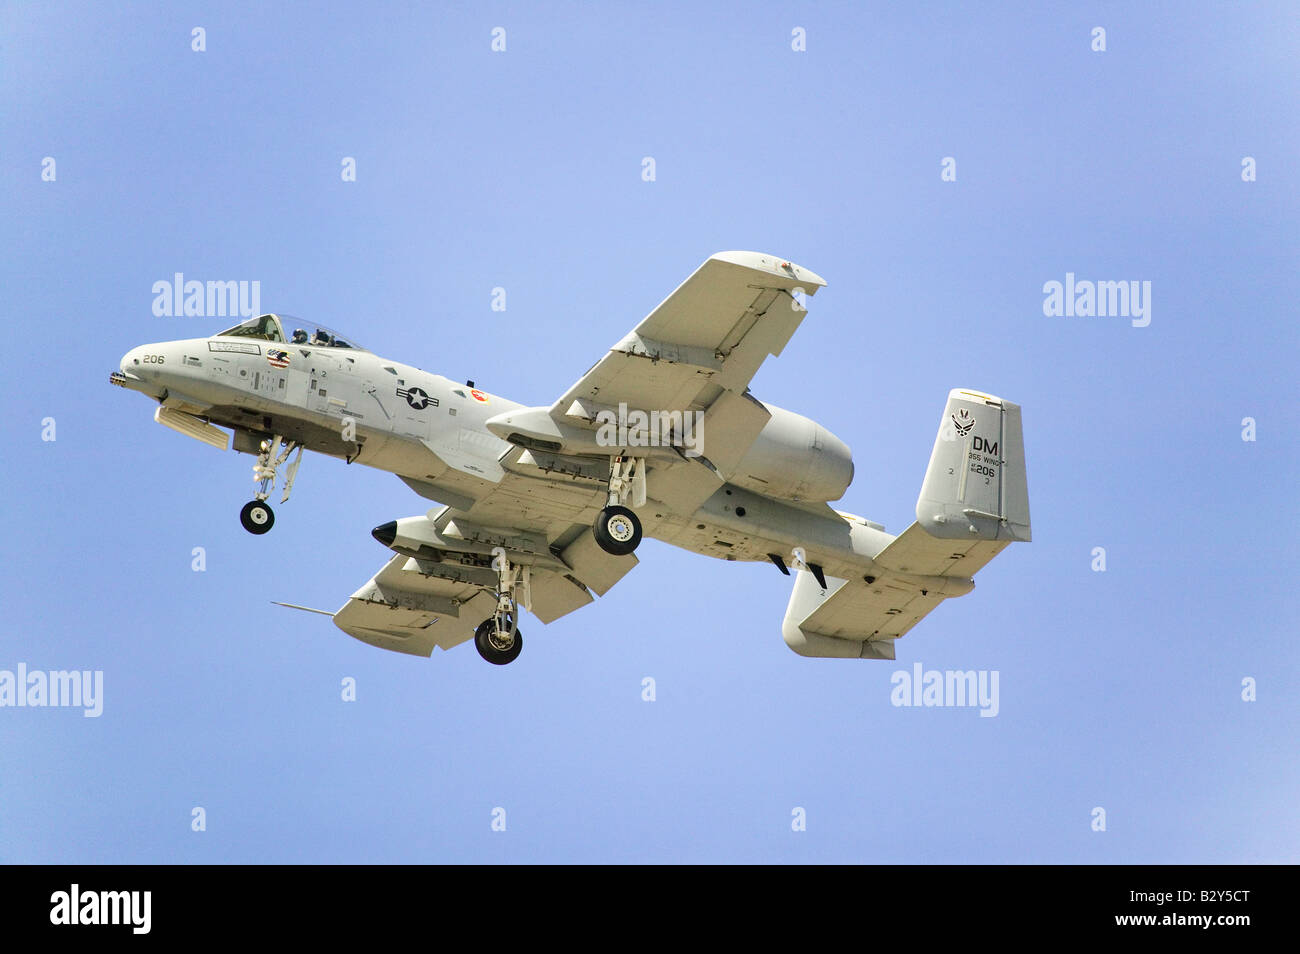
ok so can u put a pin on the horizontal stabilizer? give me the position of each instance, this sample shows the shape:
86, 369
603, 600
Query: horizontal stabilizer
852, 619
974, 502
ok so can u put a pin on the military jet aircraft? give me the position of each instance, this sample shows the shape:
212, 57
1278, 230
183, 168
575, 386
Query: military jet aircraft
537, 508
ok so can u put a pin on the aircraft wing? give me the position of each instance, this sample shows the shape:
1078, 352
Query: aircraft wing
408, 608
698, 351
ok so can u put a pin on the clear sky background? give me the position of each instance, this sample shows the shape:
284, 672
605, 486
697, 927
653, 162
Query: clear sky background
523, 169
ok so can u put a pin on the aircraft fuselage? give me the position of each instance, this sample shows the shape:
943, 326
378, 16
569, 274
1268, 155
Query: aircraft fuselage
432, 432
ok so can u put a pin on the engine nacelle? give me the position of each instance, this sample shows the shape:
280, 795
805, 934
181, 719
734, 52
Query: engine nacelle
795, 458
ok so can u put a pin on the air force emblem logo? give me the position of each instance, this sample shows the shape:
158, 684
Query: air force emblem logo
417, 398
963, 422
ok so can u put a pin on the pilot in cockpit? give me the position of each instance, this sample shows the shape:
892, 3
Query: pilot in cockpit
322, 338
299, 336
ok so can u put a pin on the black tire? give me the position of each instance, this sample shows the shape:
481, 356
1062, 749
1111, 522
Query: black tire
617, 530
485, 643
257, 517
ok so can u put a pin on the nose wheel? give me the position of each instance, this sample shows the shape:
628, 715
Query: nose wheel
257, 517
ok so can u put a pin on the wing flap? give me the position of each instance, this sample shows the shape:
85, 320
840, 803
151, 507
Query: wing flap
731, 424
593, 566
639, 383
555, 595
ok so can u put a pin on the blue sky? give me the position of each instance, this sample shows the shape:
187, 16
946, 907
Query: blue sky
522, 169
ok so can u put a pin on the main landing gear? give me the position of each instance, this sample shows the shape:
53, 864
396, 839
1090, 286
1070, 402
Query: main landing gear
498, 639
257, 516
617, 529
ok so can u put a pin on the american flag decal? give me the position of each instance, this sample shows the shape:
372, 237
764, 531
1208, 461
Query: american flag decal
278, 359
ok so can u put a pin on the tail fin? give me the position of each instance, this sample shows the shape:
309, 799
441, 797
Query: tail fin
976, 486
974, 503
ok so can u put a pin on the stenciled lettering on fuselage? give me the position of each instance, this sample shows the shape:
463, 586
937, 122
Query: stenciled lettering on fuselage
242, 347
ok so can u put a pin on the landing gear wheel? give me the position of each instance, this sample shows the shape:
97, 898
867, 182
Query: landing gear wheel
617, 530
257, 516
494, 649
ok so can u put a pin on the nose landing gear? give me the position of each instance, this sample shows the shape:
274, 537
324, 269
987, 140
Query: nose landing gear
257, 516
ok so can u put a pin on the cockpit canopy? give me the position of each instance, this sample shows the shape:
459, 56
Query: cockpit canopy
271, 328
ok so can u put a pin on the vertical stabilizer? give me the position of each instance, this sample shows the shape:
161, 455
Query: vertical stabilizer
975, 487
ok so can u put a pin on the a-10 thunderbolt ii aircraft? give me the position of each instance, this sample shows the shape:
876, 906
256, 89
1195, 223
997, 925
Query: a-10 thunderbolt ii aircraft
537, 508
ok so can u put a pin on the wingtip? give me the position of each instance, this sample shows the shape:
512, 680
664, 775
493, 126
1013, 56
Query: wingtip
775, 265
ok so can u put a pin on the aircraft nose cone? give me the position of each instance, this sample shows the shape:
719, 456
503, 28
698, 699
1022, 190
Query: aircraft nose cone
386, 533
134, 365
131, 373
